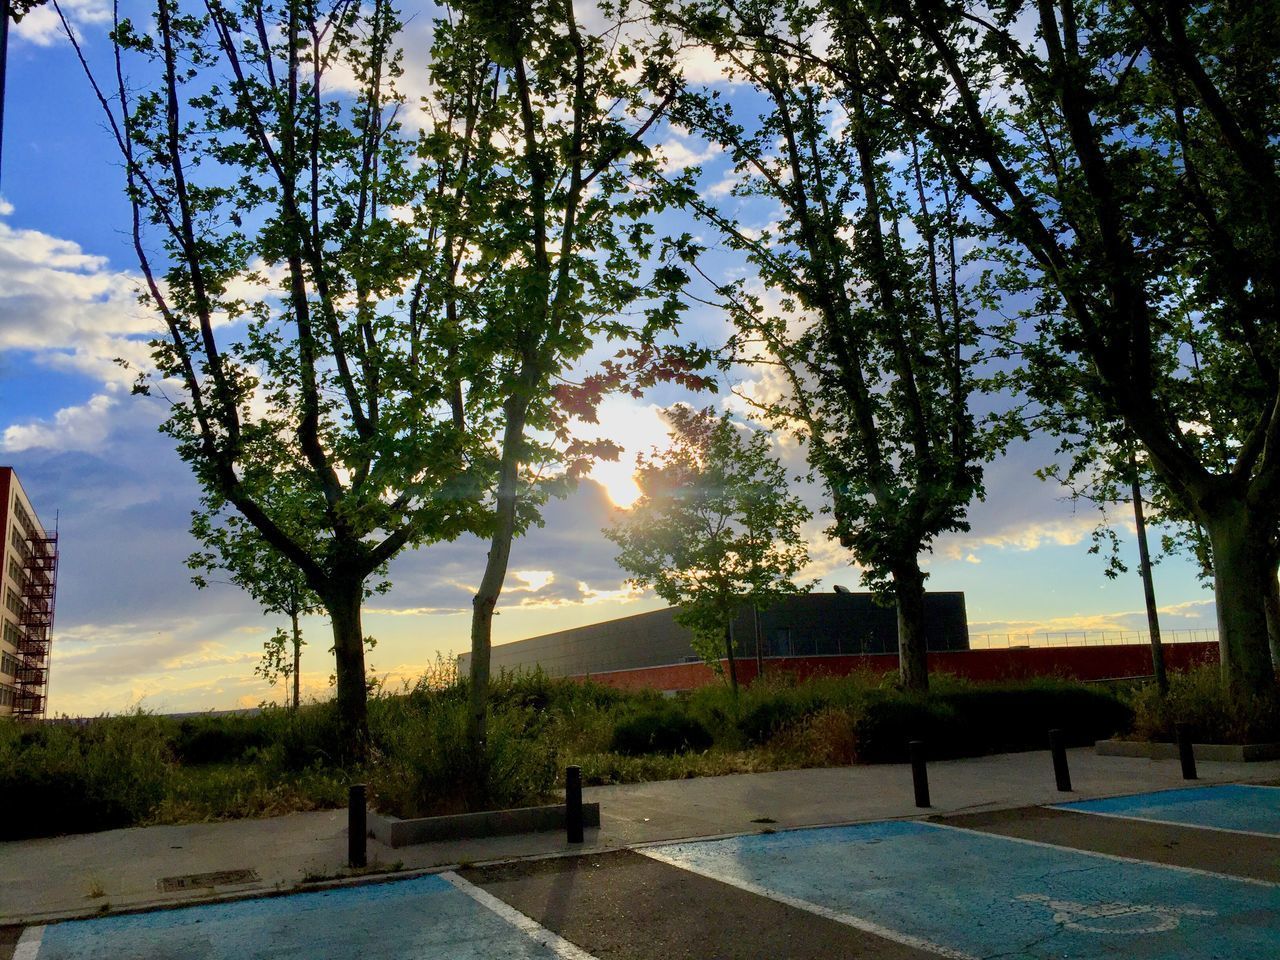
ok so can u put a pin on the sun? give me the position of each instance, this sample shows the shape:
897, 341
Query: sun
636, 427
618, 481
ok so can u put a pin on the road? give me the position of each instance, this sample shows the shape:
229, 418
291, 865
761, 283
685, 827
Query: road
1185, 874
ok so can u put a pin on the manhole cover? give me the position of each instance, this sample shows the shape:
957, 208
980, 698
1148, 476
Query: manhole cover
198, 881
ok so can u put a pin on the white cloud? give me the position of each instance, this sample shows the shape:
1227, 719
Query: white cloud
677, 154
69, 307
533, 579
82, 427
724, 186
43, 28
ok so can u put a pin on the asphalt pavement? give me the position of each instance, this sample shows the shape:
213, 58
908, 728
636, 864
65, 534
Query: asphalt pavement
705, 868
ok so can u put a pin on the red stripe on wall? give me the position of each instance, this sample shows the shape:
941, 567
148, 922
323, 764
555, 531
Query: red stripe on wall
1077, 663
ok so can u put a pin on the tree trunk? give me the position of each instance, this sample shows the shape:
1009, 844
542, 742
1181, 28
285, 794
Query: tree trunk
908, 590
1144, 568
733, 664
755, 614
343, 601
297, 655
1242, 578
490, 589
1272, 600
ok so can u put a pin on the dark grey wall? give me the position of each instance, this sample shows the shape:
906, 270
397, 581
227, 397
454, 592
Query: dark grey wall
813, 624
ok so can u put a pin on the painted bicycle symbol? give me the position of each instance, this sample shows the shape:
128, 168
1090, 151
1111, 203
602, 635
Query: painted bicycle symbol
1114, 917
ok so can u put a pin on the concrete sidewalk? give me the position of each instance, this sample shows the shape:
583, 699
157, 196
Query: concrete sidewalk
115, 870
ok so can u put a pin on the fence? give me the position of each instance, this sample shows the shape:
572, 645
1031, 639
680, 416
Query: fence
1085, 638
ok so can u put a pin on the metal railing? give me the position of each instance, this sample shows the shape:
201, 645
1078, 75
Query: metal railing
1085, 638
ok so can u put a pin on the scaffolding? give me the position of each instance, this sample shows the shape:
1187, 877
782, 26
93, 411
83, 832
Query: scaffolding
35, 625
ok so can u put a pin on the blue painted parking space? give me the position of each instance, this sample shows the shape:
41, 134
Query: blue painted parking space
1230, 807
425, 917
965, 894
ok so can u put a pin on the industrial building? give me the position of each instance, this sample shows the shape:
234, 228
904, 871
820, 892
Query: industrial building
27, 582
806, 625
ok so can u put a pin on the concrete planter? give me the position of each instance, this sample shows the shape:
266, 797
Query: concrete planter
395, 832
1225, 752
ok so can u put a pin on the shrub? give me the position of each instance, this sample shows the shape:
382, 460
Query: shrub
762, 721
1009, 717
889, 722
1197, 698
827, 738
309, 737
60, 778
423, 764
667, 731
219, 739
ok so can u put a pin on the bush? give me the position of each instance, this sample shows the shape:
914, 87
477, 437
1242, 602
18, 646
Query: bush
667, 731
219, 739
423, 764
889, 722
1197, 698
309, 737
762, 721
994, 718
60, 778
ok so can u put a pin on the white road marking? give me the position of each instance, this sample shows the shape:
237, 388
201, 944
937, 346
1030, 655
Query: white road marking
29, 943
553, 941
867, 926
1169, 823
1114, 917
1105, 856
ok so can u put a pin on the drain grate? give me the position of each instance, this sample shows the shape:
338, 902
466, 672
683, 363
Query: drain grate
199, 881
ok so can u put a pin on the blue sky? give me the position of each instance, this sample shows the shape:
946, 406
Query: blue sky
130, 627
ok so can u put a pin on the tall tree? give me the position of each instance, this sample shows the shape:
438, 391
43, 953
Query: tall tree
873, 334
715, 529
1131, 152
267, 170
546, 246
233, 545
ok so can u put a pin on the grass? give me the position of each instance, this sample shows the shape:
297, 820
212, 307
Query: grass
1196, 697
145, 769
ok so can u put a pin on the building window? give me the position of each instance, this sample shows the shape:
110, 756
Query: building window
11, 633
6, 696
12, 601
780, 642
9, 665
24, 518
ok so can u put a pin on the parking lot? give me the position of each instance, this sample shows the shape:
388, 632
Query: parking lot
1176, 873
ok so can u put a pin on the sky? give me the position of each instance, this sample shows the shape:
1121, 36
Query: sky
132, 631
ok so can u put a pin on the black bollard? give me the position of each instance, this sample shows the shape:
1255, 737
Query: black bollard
1185, 752
919, 774
357, 826
1061, 772
573, 803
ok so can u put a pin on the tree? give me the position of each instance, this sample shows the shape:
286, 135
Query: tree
268, 175
544, 198
872, 348
1129, 151
1104, 470
256, 567
714, 529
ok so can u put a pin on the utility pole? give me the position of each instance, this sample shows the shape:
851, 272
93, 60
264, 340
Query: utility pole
4, 62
